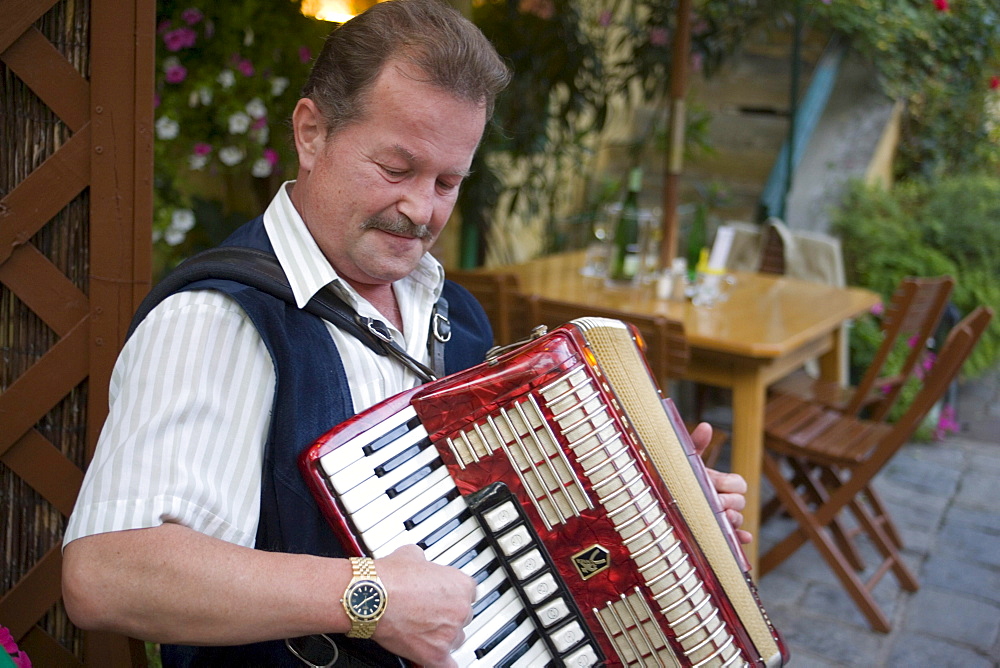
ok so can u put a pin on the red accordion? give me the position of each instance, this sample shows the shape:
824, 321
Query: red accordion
557, 477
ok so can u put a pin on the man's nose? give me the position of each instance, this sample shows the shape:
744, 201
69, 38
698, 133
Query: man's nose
418, 202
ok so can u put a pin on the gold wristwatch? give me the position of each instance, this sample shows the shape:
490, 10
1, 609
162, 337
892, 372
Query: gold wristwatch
364, 599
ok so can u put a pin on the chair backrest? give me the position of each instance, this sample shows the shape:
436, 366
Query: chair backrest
495, 292
772, 251
962, 339
914, 312
666, 345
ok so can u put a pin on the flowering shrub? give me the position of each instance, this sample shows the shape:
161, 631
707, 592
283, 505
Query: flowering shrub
943, 59
8, 645
227, 78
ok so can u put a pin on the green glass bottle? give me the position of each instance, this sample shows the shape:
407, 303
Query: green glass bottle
696, 240
624, 262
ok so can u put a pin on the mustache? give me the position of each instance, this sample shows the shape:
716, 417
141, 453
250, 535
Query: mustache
400, 225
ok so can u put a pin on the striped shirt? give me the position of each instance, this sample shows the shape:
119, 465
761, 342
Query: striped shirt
192, 390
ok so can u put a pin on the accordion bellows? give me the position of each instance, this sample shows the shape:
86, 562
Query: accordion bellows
559, 478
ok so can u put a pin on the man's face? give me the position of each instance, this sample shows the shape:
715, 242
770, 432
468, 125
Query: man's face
376, 194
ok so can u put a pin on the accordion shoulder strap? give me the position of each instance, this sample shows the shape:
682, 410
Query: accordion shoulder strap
260, 270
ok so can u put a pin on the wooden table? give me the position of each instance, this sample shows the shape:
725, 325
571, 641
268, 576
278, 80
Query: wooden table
767, 327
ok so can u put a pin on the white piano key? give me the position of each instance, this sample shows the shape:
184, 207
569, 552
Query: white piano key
457, 543
422, 530
514, 540
501, 608
481, 561
384, 507
478, 634
538, 655
498, 577
363, 468
353, 450
507, 645
375, 488
391, 525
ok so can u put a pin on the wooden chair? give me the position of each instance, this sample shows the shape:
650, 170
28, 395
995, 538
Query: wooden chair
833, 458
495, 291
772, 251
913, 315
667, 349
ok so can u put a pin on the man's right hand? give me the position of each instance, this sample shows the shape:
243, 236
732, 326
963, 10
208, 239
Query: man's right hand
427, 609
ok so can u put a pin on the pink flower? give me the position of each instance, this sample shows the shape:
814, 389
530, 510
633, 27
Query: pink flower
604, 20
305, 55
271, 156
245, 67
182, 38
659, 36
19, 658
994, 82
162, 27
947, 423
877, 310
176, 74
912, 341
192, 16
941, 5
201, 148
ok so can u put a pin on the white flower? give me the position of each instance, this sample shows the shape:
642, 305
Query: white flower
256, 108
205, 95
247, 37
157, 235
173, 237
167, 128
261, 168
239, 123
182, 220
196, 162
231, 155
170, 62
260, 135
278, 85
226, 78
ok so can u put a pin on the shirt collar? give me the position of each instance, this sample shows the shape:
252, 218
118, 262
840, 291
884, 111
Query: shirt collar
307, 268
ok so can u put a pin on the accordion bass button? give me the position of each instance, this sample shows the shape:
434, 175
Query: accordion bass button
566, 636
583, 657
540, 588
499, 517
526, 566
552, 612
514, 540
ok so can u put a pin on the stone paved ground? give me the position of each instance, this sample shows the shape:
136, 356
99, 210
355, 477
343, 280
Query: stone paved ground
943, 496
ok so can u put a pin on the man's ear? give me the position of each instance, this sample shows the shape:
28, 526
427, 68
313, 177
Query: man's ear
310, 132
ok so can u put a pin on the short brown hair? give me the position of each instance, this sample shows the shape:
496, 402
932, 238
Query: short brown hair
443, 45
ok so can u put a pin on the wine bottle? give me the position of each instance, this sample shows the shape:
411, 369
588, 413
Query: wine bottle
624, 262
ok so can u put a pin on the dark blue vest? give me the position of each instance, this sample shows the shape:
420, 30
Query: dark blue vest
311, 396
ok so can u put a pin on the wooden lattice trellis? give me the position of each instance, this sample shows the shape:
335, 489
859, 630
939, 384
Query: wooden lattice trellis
75, 206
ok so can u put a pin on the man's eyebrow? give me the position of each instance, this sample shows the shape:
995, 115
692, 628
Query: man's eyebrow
408, 155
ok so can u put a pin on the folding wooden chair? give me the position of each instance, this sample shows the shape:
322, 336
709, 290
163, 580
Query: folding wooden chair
913, 315
666, 345
495, 292
833, 458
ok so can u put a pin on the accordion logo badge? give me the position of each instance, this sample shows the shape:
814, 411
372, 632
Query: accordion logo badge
591, 561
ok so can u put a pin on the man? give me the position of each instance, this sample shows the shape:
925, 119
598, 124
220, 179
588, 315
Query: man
219, 389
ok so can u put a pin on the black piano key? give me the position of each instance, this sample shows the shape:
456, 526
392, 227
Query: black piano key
486, 571
501, 634
520, 650
471, 554
391, 436
489, 599
412, 479
429, 510
444, 530
402, 457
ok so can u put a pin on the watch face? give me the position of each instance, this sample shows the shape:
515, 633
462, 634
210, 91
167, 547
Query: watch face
366, 599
